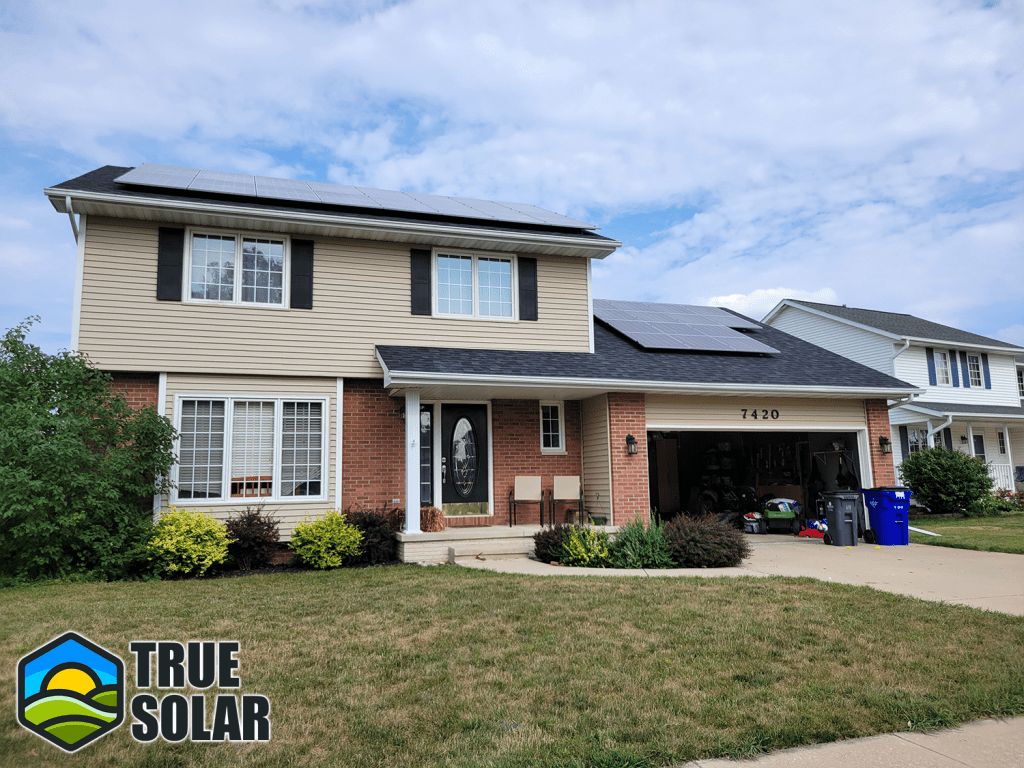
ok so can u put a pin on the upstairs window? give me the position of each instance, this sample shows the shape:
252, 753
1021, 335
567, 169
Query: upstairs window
236, 269
552, 428
468, 285
942, 368
974, 369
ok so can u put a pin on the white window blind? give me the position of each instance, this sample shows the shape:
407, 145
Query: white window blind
252, 449
201, 452
301, 449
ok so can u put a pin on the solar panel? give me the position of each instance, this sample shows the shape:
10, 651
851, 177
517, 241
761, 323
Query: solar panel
285, 189
224, 183
173, 177
679, 327
156, 175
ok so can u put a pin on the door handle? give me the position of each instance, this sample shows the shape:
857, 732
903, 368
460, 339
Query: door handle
444, 469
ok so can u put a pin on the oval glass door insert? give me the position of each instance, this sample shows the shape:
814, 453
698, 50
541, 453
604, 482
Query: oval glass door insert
464, 457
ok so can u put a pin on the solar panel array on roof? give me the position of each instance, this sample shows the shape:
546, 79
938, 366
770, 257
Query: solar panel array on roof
679, 326
169, 176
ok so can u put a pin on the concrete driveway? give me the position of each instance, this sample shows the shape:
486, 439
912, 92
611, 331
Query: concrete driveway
989, 580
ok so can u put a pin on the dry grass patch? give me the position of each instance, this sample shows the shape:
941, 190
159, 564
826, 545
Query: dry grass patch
408, 666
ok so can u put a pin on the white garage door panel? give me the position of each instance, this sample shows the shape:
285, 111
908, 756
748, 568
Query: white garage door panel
738, 413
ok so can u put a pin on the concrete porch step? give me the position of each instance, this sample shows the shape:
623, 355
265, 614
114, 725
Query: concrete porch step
492, 547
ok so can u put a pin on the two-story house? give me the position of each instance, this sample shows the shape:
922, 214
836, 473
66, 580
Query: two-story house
321, 346
973, 399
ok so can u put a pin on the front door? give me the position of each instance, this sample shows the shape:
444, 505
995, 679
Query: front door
464, 470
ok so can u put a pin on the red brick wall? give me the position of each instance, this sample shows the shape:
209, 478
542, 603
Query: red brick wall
878, 426
630, 489
516, 437
139, 389
373, 446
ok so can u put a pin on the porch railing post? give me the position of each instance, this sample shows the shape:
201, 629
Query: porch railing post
412, 462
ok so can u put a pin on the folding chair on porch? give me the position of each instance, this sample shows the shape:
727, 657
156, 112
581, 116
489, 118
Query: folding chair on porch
567, 490
527, 490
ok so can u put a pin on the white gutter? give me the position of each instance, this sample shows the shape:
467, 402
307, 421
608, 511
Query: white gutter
430, 230
417, 379
901, 350
903, 401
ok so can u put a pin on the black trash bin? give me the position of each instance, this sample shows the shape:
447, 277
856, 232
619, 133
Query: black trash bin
842, 510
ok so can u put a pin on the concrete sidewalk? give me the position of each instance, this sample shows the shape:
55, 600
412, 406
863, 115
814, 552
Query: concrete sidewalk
995, 743
990, 580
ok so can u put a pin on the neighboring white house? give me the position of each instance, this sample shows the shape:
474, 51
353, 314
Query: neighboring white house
974, 399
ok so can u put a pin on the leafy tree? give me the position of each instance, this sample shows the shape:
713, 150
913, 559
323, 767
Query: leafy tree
947, 481
78, 467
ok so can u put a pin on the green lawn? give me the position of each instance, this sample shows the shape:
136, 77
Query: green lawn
1004, 533
412, 666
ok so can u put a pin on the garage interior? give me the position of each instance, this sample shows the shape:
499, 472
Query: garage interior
728, 474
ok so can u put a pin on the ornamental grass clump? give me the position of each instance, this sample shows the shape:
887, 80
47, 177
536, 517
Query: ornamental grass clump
639, 546
705, 543
327, 542
187, 543
585, 547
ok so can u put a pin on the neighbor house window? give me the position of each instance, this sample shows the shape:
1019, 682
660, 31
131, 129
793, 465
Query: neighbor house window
236, 269
552, 428
468, 285
974, 369
1020, 381
942, 368
242, 448
1002, 443
917, 439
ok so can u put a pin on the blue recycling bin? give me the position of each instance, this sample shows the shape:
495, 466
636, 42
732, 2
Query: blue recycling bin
889, 513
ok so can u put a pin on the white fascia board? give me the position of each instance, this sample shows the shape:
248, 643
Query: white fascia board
414, 379
962, 415
828, 315
597, 250
964, 345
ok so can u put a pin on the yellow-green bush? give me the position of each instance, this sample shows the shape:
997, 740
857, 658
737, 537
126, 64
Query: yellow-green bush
187, 543
585, 547
326, 542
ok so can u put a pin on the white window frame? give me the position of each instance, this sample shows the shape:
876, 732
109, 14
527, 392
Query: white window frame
476, 256
239, 235
942, 374
226, 499
917, 439
970, 370
1020, 382
561, 428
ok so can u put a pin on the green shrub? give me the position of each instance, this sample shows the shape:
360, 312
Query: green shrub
637, 546
1008, 501
547, 542
78, 468
187, 543
947, 481
585, 547
252, 538
705, 543
327, 542
378, 543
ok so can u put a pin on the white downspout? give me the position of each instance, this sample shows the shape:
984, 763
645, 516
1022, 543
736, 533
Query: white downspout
71, 215
938, 429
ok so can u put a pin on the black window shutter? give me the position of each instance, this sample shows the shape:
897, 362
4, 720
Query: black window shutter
904, 442
966, 370
527, 288
984, 370
947, 437
953, 368
420, 299
930, 354
170, 258
302, 274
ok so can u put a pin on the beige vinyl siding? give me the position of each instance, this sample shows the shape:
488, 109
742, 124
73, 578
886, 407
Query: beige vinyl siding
676, 412
291, 512
859, 345
361, 297
597, 460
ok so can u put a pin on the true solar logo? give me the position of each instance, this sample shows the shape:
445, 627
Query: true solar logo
175, 717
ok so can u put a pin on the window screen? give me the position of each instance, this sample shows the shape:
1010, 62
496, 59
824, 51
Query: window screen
201, 449
252, 449
301, 449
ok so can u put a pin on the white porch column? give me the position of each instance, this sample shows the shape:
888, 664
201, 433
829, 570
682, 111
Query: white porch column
931, 436
412, 462
970, 440
1009, 452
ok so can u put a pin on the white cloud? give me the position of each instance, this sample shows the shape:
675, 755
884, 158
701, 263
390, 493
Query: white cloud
1013, 335
761, 301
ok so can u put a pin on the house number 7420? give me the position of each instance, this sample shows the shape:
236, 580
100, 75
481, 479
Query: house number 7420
762, 413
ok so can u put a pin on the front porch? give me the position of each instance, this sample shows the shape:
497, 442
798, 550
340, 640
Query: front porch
999, 445
453, 543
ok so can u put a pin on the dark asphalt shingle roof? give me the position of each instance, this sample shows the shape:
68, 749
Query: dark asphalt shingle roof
904, 325
102, 180
987, 410
798, 363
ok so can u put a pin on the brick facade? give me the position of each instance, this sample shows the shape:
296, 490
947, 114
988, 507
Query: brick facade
630, 489
139, 389
878, 426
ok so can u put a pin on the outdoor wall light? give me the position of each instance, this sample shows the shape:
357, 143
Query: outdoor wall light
885, 444
631, 446
963, 439
401, 412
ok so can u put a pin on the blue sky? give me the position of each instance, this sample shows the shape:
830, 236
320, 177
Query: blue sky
862, 153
